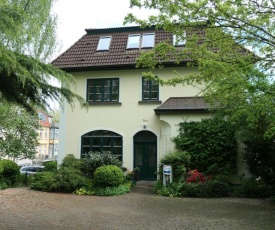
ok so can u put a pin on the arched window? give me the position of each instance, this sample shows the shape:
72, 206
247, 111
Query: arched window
102, 140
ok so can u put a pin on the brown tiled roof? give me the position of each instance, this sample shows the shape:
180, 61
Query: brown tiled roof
182, 104
83, 53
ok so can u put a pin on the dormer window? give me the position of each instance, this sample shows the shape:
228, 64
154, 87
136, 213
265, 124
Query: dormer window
177, 41
104, 43
136, 41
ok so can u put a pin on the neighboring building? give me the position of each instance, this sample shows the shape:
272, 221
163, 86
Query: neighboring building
130, 116
48, 137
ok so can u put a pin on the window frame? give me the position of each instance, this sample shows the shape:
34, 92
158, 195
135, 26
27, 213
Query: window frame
101, 136
131, 36
101, 43
150, 90
140, 44
153, 42
102, 92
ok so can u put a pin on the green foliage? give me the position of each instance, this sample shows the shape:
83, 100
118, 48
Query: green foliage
9, 172
211, 144
50, 166
113, 191
238, 85
252, 188
172, 190
64, 180
27, 40
93, 160
201, 190
108, 176
71, 162
18, 130
259, 152
179, 160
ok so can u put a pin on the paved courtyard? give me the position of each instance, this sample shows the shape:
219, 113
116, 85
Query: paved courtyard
21, 208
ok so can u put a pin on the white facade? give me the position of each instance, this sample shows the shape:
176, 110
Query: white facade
127, 118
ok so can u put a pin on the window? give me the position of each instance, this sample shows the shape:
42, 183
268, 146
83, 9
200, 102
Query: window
178, 41
103, 90
41, 133
54, 133
150, 89
102, 140
46, 134
136, 41
148, 40
104, 43
42, 117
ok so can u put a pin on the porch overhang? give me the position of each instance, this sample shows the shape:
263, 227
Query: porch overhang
178, 105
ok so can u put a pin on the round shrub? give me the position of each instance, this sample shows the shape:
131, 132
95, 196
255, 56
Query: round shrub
10, 171
93, 160
108, 176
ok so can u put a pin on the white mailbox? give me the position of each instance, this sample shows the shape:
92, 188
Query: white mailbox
167, 175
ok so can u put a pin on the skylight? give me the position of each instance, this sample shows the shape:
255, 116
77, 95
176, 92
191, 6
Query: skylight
104, 43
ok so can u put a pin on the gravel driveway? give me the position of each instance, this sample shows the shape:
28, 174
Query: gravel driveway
21, 208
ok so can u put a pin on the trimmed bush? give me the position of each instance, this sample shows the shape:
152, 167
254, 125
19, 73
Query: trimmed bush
9, 171
64, 180
93, 160
179, 160
252, 189
108, 176
50, 166
200, 190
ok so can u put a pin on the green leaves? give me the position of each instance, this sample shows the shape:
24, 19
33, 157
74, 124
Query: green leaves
27, 41
211, 144
18, 132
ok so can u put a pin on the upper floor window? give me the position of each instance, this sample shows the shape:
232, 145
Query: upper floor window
141, 41
148, 40
150, 89
103, 90
104, 43
177, 41
42, 117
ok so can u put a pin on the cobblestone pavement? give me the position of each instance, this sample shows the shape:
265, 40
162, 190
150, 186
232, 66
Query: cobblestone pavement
21, 208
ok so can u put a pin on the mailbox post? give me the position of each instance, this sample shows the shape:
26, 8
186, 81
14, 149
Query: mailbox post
167, 175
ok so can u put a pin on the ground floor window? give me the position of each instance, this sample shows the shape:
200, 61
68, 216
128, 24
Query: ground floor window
102, 140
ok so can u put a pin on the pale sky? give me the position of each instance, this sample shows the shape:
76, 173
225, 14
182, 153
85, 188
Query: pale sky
74, 16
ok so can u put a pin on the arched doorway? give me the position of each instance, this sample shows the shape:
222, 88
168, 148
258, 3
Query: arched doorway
145, 154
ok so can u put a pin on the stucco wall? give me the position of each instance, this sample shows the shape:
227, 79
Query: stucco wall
126, 119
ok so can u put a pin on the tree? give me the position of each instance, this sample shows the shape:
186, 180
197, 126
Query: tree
232, 44
27, 41
18, 132
215, 34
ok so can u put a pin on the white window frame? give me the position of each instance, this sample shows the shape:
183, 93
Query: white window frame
148, 46
140, 43
102, 44
132, 36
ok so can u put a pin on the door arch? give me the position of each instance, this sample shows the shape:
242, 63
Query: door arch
145, 154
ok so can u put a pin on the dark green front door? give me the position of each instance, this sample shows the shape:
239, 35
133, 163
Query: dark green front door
145, 155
